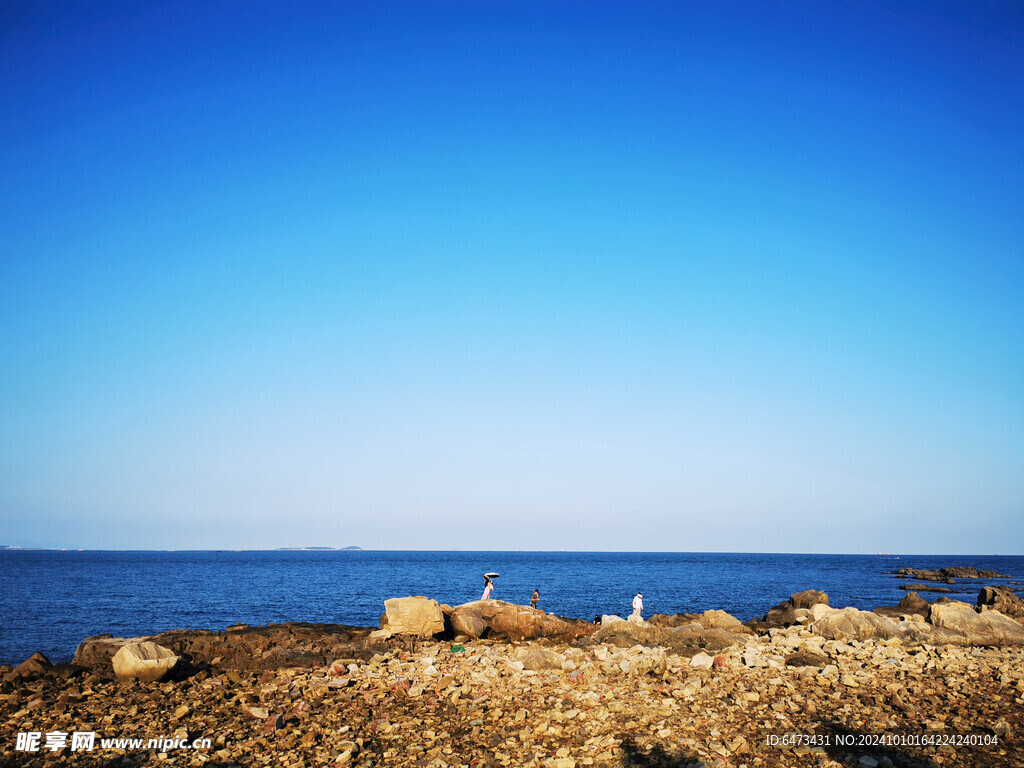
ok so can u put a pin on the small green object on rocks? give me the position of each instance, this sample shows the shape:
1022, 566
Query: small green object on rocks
458, 648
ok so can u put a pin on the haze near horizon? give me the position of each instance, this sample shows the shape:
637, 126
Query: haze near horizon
653, 277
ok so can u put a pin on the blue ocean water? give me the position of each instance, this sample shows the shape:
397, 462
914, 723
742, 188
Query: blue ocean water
51, 600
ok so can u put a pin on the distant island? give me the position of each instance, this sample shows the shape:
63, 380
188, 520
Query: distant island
319, 549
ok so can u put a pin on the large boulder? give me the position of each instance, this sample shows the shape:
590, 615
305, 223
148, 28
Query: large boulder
36, 664
715, 619
687, 639
488, 618
537, 658
911, 604
626, 634
673, 619
144, 661
852, 624
808, 598
711, 638
97, 651
986, 628
1001, 599
470, 623
419, 616
917, 631
791, 611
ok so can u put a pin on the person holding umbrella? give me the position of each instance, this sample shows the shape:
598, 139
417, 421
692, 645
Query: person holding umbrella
489, 585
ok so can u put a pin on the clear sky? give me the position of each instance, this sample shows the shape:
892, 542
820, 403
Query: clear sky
596, 276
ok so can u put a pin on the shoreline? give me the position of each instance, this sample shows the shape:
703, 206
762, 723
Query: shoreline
335, 588
686, 690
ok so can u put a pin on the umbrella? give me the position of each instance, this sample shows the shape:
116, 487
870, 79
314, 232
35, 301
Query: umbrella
491, 575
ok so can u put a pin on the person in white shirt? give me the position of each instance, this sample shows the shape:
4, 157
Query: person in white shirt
638, 606
488, 588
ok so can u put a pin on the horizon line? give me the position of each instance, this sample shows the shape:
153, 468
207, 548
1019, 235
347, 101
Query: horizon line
17, 548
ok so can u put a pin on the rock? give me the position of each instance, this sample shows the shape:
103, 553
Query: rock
687, 639
36, 664
1001, 599
852, 624
717, 639
806, 658
487, 618
808, 598
966, 572
702, 661
948, 574
782, 615
911, 604
468, 623
674, 620
916, 630
144, 661
818, 610
715, 619
985, 628
417, 616
537, 658
625, 634
606, 620
378, 641
97, 651
785, 613
925, 588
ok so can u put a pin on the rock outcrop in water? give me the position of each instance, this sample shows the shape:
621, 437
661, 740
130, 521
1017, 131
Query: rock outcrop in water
948, 574
925, 588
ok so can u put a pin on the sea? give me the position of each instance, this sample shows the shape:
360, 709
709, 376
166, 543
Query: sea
51, 600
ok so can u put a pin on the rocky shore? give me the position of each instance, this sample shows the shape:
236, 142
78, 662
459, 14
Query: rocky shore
493, 684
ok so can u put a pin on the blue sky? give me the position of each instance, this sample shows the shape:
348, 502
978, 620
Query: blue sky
645, 276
